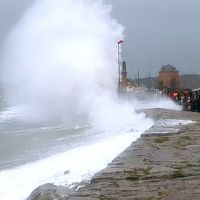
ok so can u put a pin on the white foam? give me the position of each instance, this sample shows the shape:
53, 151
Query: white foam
18, 112
82, 162
165, 126
156, 101
174, 122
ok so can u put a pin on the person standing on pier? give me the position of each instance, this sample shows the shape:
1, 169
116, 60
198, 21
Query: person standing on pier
198, 102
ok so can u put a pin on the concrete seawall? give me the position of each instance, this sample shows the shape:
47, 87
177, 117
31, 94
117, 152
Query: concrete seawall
157, 166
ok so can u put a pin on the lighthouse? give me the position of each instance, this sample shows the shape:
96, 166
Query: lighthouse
124, 79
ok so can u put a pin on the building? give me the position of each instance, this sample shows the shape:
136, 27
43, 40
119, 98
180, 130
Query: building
124, 79
169, 78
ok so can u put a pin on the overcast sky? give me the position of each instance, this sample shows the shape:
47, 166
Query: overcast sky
10, 12
157, 32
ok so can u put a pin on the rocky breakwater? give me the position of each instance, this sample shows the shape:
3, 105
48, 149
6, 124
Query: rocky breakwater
163, 164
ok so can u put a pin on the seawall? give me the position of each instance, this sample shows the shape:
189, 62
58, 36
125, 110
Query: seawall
156, 166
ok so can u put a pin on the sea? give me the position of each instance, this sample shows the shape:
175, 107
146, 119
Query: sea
35, 153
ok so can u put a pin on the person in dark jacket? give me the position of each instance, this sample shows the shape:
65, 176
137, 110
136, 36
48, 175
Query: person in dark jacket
198, 102
192, 103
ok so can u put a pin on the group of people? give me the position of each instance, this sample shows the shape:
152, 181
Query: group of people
190, 100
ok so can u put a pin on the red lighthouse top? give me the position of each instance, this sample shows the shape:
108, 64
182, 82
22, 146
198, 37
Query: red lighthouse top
120, 41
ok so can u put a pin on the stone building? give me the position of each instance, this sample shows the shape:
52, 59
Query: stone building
169, 78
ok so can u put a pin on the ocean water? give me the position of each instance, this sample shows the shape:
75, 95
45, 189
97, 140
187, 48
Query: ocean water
37, 153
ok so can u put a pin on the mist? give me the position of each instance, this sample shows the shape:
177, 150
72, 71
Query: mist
60, 63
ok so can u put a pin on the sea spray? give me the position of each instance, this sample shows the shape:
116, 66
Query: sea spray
61, 57
59, 64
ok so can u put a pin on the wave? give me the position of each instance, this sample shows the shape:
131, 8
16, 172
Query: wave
80, 163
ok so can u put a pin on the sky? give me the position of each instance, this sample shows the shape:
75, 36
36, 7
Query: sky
157, 32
